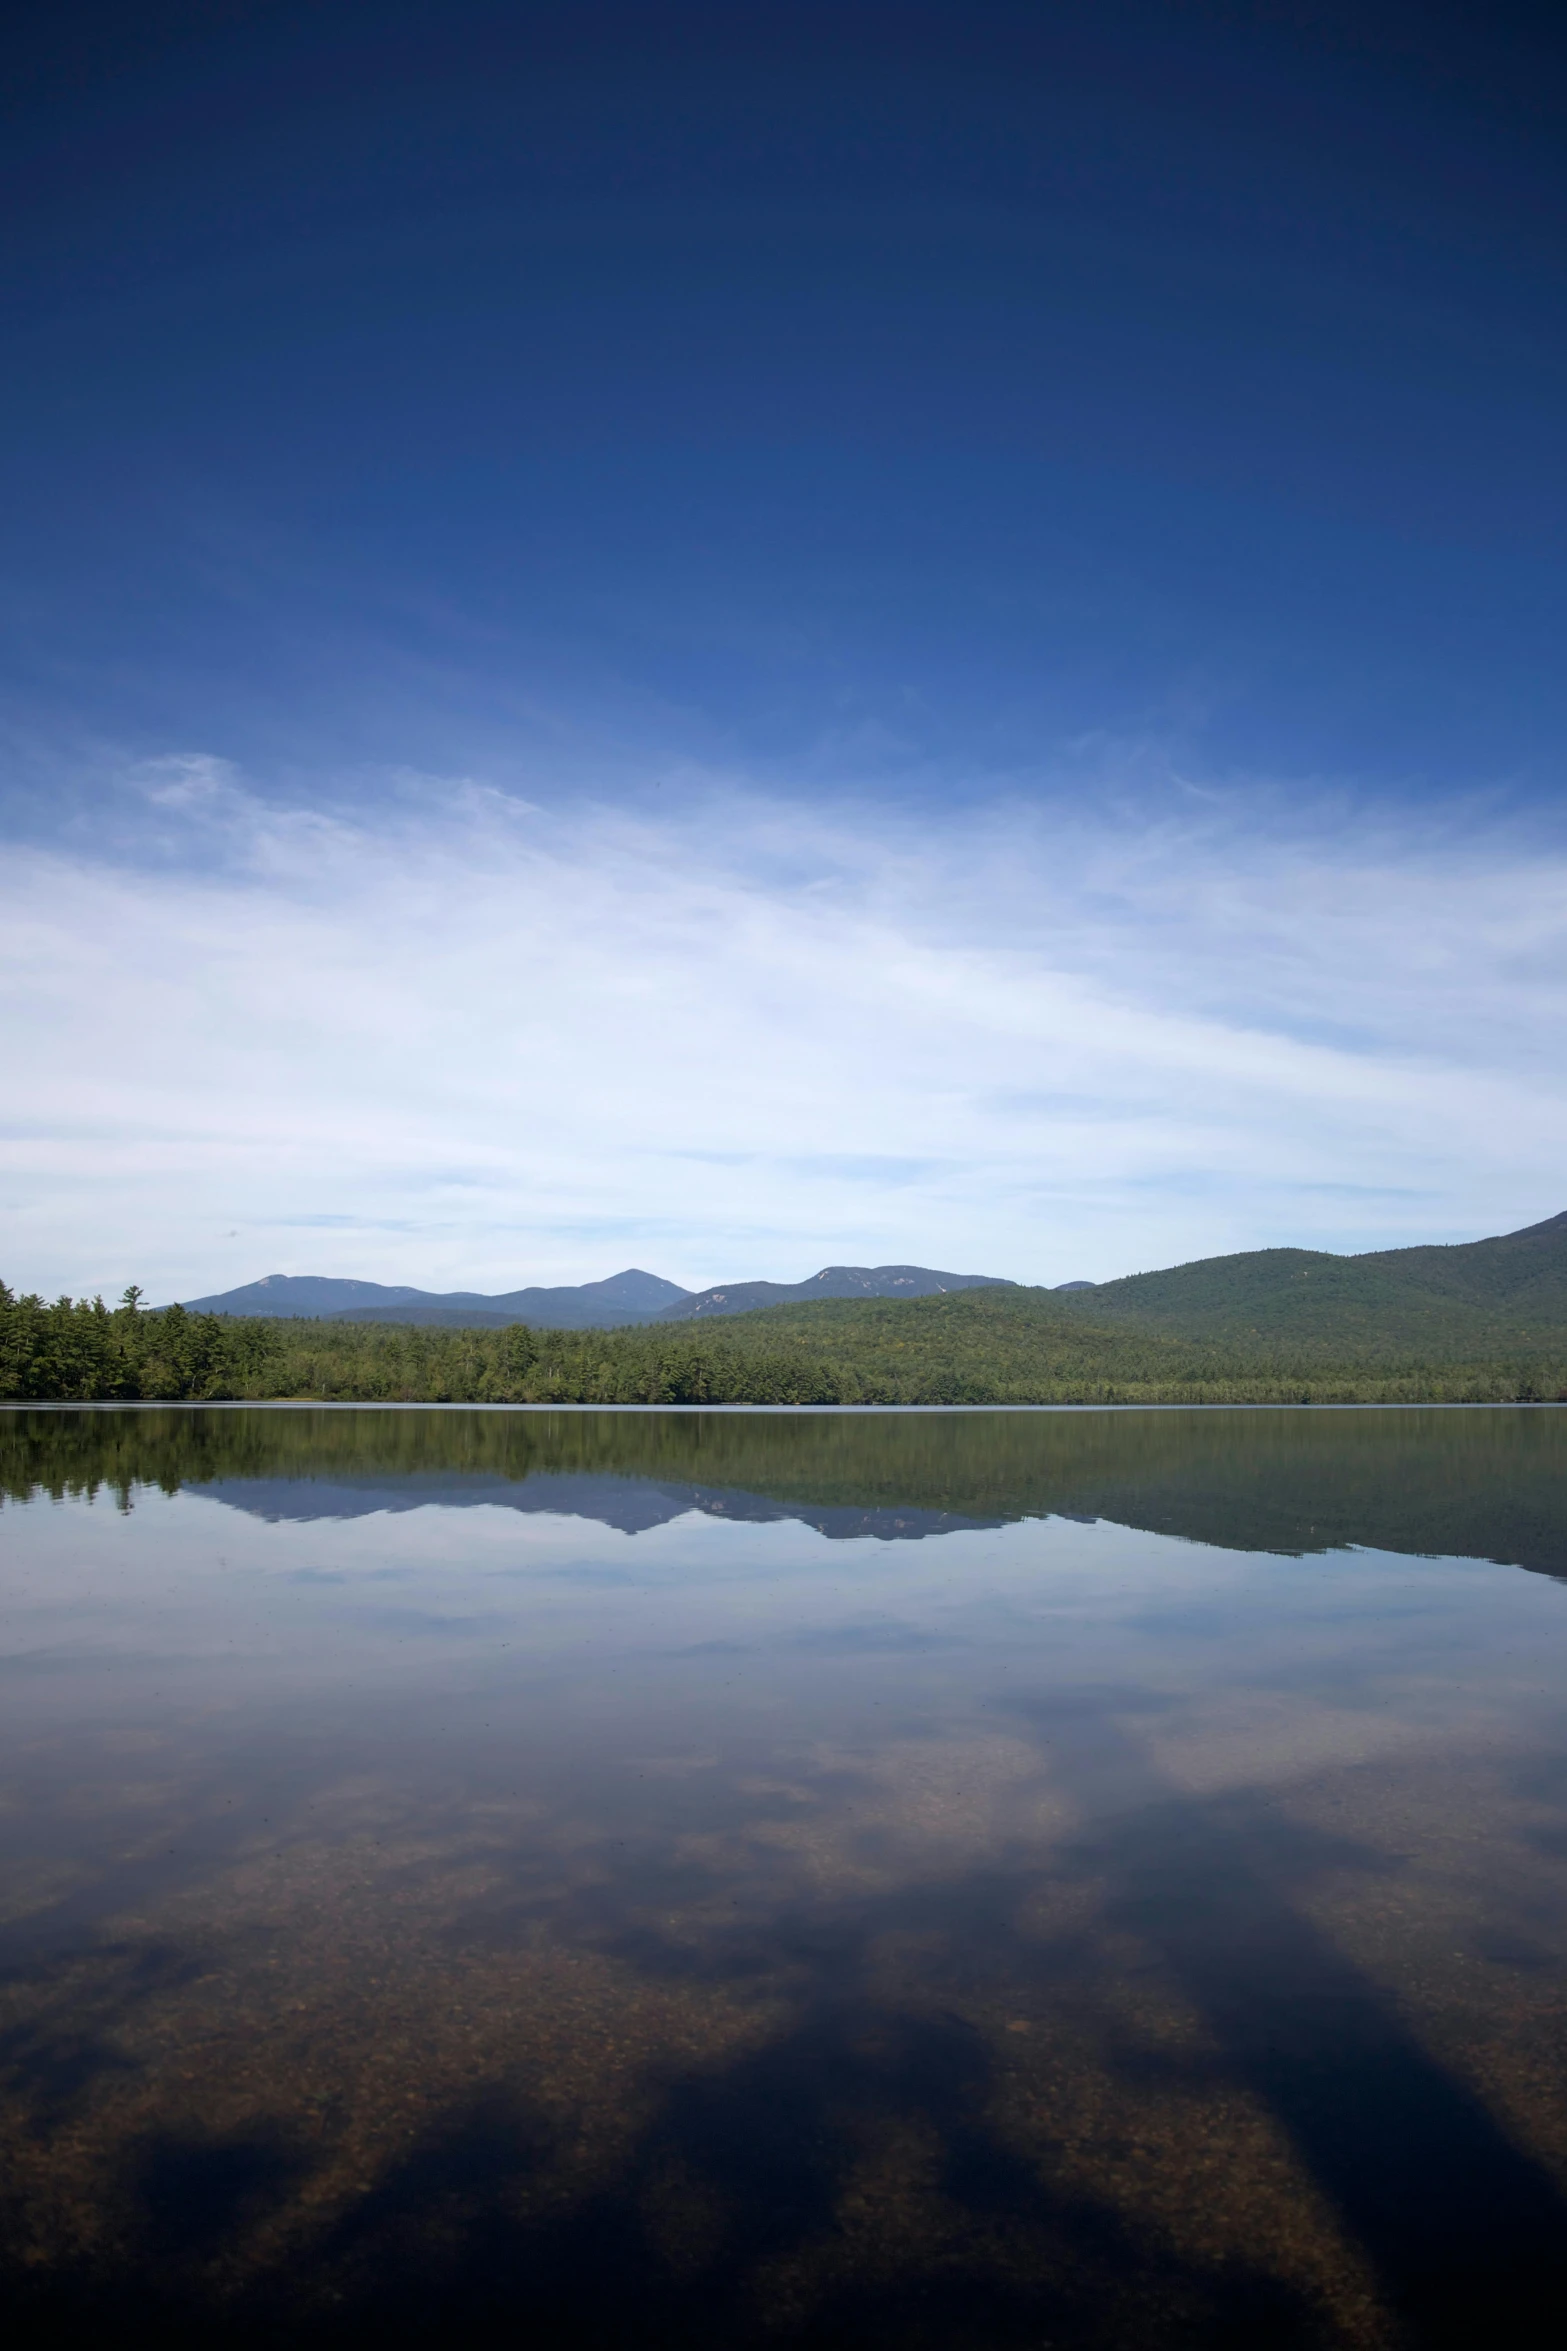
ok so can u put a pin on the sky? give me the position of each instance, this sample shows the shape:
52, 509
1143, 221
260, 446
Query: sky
738, 638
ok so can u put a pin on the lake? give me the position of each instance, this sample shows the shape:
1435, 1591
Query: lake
906, 1880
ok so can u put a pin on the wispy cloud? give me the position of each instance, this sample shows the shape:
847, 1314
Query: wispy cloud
469, 1041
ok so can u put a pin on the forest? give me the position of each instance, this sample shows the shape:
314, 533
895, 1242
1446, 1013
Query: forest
968, 1347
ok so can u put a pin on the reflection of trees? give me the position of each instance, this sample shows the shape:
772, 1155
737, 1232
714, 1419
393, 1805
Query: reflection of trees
1487, 1484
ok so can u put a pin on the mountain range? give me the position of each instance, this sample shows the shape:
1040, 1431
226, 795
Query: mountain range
623, 1299
629, 1297
1473, 1295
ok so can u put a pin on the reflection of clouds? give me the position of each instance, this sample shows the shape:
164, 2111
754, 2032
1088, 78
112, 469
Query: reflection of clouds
792, 1937
866, 1640
909, 2012
1366, 1647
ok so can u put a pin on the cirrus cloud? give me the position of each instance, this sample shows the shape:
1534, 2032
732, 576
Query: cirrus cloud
470, 1041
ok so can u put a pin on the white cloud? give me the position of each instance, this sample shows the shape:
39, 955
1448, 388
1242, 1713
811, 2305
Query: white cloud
472, 1043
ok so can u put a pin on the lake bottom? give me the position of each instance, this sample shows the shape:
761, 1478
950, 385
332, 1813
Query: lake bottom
857, 1895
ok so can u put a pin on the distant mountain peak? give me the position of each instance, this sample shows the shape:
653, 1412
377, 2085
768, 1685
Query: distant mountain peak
833, 1281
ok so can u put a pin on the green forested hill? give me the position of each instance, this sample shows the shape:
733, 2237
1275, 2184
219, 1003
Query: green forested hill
1018, 1344
1471, 1298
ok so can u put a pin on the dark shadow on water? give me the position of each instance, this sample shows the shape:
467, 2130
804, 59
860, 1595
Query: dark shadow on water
843, 2185
194, 2196
731, 2219
848, 2183
1466, 2233
56, 2064
727, 2226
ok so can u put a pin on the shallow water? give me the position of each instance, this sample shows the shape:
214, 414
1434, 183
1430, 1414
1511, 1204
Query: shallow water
942, 1879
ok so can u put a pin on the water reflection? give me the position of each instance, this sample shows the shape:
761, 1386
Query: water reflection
603, 1876
1483, 1482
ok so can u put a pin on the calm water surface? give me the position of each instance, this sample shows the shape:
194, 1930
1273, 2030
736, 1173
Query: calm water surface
695, 1880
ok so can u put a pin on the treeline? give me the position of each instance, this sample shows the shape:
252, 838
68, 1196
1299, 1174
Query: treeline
81, 1351
964, 1348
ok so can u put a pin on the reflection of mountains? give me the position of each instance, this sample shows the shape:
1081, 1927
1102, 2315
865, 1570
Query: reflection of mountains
632, 1505
1489, 1483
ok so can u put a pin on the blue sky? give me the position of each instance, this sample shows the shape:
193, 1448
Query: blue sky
729, 638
